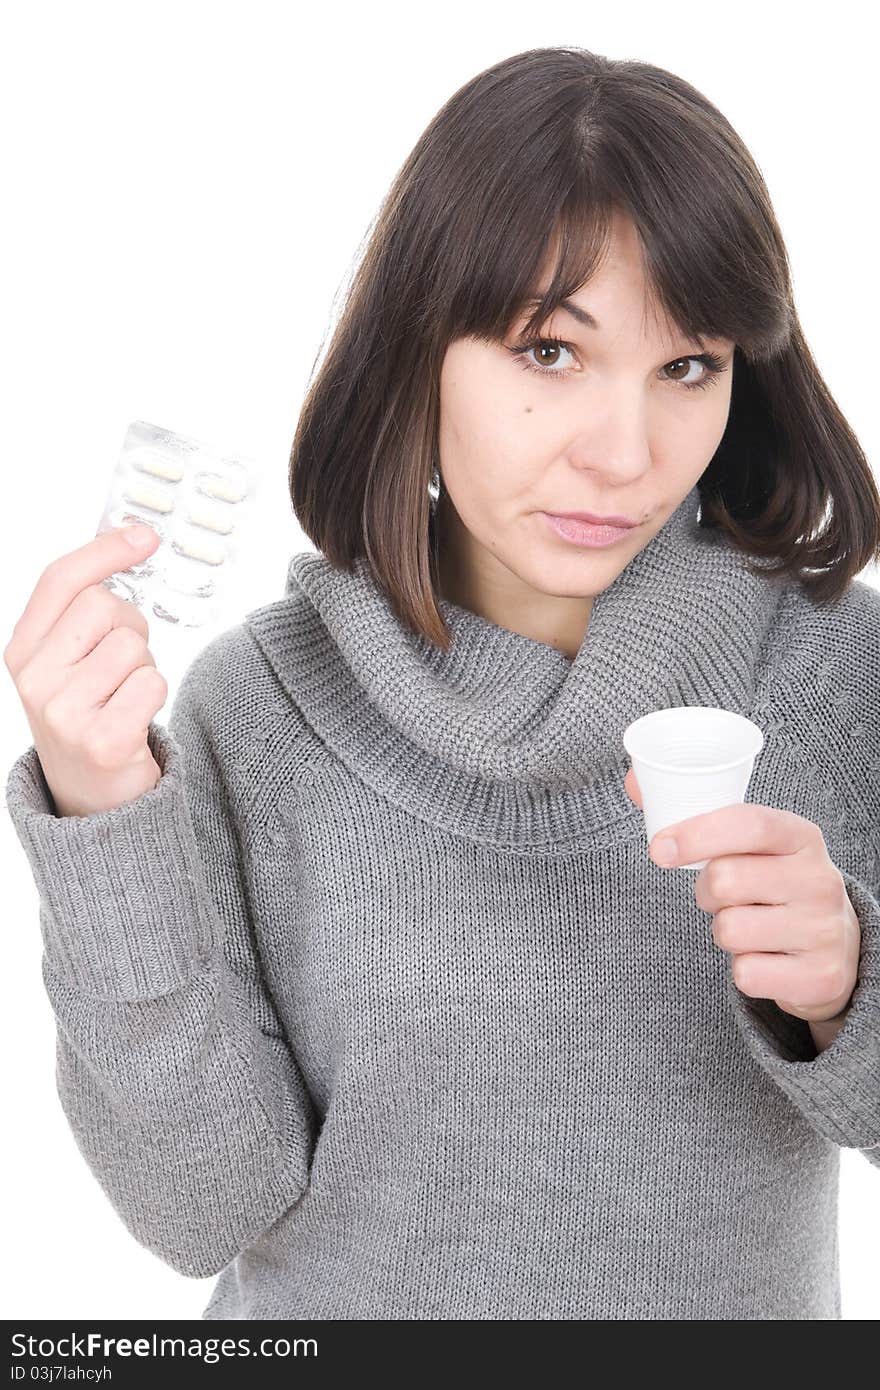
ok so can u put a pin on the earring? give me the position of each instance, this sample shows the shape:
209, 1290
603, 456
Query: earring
434, 486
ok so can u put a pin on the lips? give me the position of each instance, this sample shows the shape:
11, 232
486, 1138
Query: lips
619, 521
585, 533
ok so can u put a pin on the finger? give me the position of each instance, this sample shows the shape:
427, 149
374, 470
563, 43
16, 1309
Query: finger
735, 880
79, 632
740, 930
743, 828
91, 616
631, 787
130, 709
772, 880
97, 677
804, 982
62, 580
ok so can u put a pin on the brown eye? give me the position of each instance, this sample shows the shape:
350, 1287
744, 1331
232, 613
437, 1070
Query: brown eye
679, 362
712, 366
543, 349
547, 351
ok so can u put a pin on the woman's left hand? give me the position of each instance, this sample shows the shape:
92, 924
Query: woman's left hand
780, 906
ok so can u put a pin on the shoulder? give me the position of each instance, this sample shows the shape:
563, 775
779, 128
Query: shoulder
821, 647
856, 612
233, 645
232, 691
226, 674
821, 695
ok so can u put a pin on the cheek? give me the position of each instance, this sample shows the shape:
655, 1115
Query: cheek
692, 435
494, 480
475, 487
485, 454
482, 413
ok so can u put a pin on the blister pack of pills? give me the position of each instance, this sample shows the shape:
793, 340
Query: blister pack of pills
201, 504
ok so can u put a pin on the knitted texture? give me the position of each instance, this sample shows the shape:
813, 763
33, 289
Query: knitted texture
377, 1007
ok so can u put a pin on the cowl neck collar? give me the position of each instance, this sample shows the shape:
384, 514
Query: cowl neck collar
501, 737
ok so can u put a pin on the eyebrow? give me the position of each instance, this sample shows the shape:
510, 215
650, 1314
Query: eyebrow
582, 315
575, 310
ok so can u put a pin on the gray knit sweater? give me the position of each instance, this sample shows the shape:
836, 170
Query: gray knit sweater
376, 1006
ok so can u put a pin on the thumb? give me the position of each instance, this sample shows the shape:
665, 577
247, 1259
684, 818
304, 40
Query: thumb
631, 787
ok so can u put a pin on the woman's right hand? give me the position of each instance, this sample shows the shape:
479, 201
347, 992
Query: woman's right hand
89, 685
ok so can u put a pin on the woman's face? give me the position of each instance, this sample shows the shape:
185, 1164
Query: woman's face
625, 431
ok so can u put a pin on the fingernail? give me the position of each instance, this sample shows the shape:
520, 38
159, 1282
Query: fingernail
665, 850
137, 536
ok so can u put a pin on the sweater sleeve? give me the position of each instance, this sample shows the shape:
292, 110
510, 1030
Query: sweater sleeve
172, 1065
837, 1090
825, 707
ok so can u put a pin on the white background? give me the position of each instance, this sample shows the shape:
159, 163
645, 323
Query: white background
186, 187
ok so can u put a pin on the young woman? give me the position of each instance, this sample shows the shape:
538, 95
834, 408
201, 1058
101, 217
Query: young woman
370, 996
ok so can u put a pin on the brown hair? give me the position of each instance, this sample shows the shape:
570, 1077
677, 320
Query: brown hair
536, 152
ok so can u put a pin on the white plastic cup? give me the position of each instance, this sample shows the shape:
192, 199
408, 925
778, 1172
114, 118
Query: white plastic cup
690, 760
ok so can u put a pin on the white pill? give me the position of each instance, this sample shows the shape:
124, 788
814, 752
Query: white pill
215, 485
153, 497
201, 550
159, 466
207, 517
